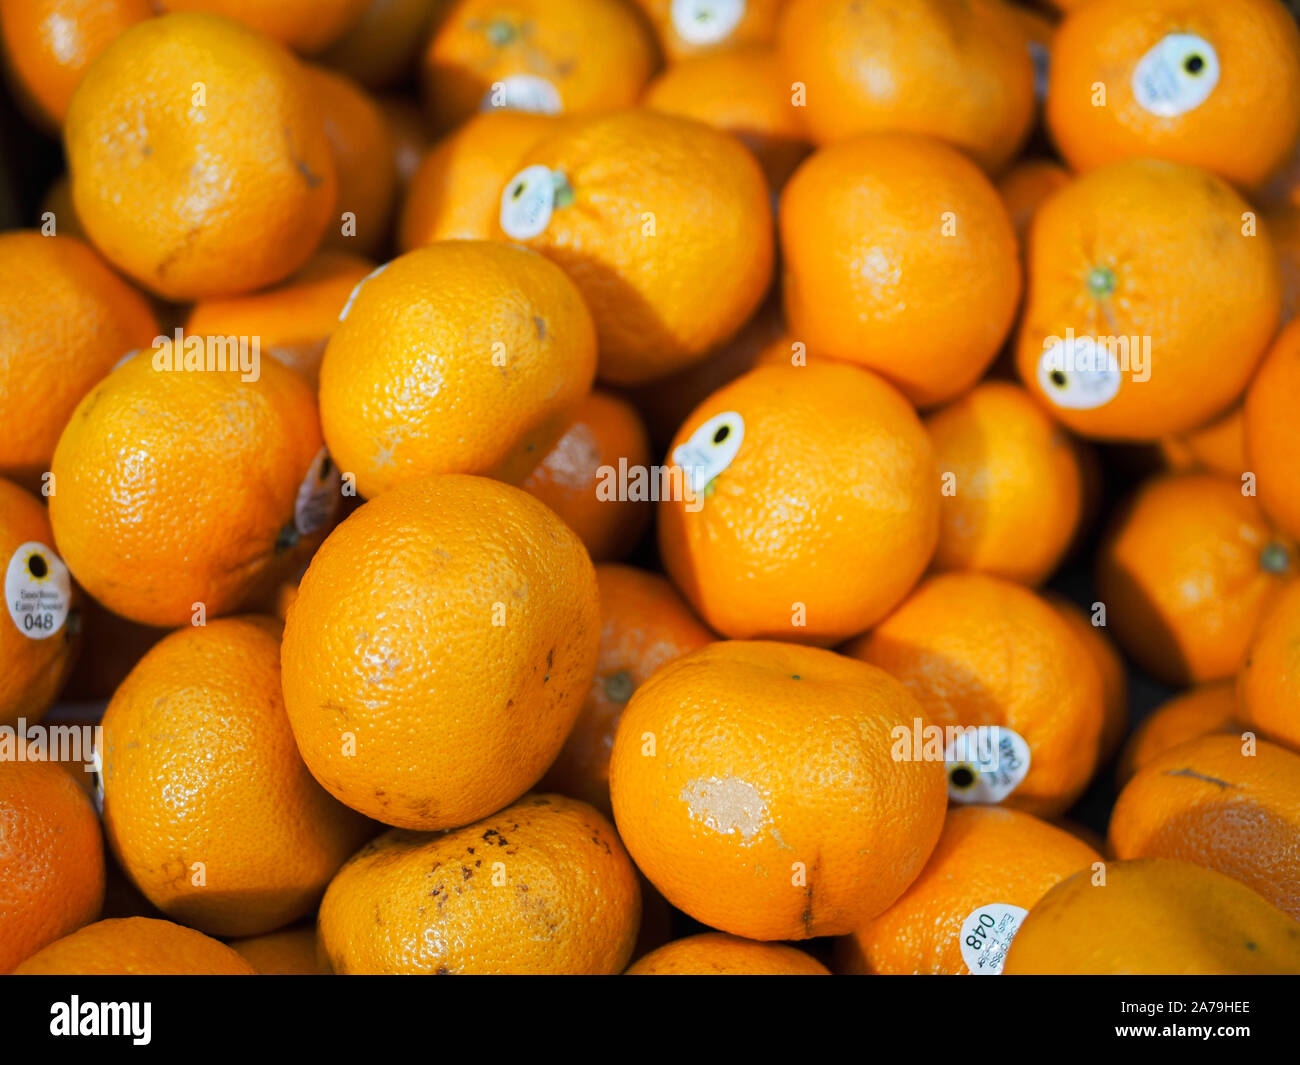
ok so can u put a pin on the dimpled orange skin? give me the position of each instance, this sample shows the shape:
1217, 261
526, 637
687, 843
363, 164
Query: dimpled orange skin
824, 520
460, 357
294, 319
1186, 571
33, 670
1210, 802
48, 44
1244, 130
945, 68
979, 650
740, 90
757, 26
578, 477
1272, 436
1110, 667
753, 783
1204, 711
448, 631
179, 488
541, 887
204, 707
65, 319
985, 854
718, 954
656, 299
135, 946
899, 256
1154, 917
455, 193
1268, 686
366, 168
291, 952
1144, 248
1025, 187
1017, 489
194, 201
596, 54
304, 25
644, 625
51, 858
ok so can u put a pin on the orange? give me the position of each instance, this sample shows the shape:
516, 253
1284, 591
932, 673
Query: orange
543, 886
177, 488
1268, 686
303, 25
576, 56
460, 357
110, 648
740, 90
65, 320
455, 193
899, 256
978, 650
294, 319
717, 954
646, 212
644, 625
250, 841
58, 212
51, 857
1205, 711
580, 477
199, 161
691, 27
805, 505
1223, 803
380, 48
1187, 569
1272, 436
291, 952
361, 143
1195, 81
988, 867
1155, 918
1026, 187
950, 69
1143, 276
40, 622
439, 650
1110, 667
1012, 492
1218, 446
754, 784
135, 946
48, 44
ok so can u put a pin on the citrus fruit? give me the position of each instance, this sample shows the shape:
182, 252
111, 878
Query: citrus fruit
460, 357
303, 25
1268, 687
380, 48
543, 886
199, 161
135, 946
1208, 710
1219, 446
51, 858
898, 255
291, 952
807, 507
646, 212
65, 320
1110, 667
692, 27
1186, 570
439, 650
710, 781
1025, 187
718, 954
1272, 437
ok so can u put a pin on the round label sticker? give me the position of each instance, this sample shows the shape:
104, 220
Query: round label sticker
527, 202
1078, 374
986, 934
523, 92
352, 296
706, 21
985, 764
1176, 76
318, 495
710, 449
38, 591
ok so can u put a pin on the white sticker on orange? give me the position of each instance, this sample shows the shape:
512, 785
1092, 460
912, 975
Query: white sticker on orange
1176, 76
986, 934
710, 449
318, 495
527, 202
523, 92
1077, 373
706, 21
985, 764
38, 590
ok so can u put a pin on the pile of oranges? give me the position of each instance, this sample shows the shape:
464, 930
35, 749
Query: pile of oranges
653, 486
